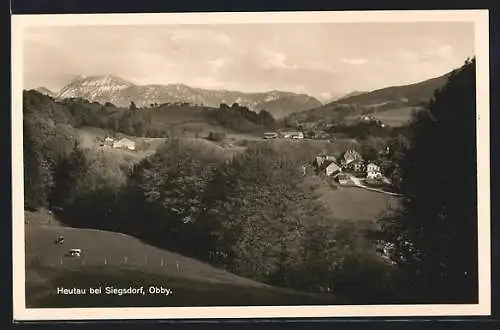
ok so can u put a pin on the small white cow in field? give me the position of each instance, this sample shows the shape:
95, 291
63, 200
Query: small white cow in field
75, 252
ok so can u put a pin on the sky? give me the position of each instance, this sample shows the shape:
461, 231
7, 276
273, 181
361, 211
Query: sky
316, 59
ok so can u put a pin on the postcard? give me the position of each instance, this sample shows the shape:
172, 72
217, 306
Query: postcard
251, 165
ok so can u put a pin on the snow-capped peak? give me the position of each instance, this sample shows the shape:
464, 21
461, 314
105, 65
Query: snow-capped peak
92, 86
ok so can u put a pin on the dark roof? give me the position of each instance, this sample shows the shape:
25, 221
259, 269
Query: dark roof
327, 163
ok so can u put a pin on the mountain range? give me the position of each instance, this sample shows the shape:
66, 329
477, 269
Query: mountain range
120, 92
298, 108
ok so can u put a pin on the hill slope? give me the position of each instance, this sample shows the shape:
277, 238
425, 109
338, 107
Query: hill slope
412, 94
390, 99
108, 88
46, 91
120, 261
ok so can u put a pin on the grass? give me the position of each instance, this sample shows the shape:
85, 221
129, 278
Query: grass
392, 117
168, 115
41, 217
353, 202
184, 292
395, 117
148, 146
113, 259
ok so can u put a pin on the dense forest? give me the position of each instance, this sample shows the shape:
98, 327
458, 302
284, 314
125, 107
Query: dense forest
253, 214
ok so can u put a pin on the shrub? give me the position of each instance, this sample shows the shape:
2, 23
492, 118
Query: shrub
216, 136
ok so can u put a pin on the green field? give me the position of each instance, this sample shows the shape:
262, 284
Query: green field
120, 261
148, 146
393, 117
353, 203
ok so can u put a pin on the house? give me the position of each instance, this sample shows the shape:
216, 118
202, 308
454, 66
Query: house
270, 135
356, 166
327, 166
350, 156
298, 135
124, 144
293, 135
318, 162
331, 168
107, 142
373, 171
343, 179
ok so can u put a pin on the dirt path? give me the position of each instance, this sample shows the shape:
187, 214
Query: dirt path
357, 182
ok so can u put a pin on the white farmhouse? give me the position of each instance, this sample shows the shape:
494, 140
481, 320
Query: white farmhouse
373, 171
124, 144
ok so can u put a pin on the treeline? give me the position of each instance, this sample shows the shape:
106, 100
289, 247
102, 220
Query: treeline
240, 118
79, 112
129, 120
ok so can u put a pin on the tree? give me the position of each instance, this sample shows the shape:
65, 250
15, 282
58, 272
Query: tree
70, 180
132, 106
370, 148
433, 237
266, 118
391, 159
37, 176
216, 136
258, 210
164, 192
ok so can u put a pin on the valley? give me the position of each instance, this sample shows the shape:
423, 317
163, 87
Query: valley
158, 165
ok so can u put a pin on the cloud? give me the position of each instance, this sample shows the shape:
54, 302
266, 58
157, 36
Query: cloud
354, 60
218, 63
442, 52
273, 59
434, 53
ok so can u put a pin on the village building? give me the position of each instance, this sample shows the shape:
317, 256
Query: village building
293, 135
373, 171
343, 179
270, 135
108, 141
357, 166
350, 156
327, 165
331, 168
322, 158
124, 144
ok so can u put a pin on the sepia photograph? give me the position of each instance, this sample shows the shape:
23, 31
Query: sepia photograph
249, 165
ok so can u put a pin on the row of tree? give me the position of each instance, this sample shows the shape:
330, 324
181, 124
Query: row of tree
240, 118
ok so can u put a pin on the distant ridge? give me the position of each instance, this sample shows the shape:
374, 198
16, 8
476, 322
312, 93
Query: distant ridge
405, 98
113, 89
46, 91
